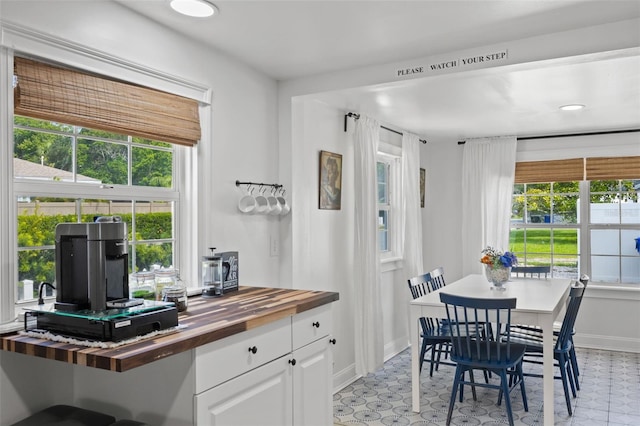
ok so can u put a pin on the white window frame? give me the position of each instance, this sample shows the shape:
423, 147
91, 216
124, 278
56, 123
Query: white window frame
45, 188
391, 155
586, 233
45, 46
526, 225
584, 228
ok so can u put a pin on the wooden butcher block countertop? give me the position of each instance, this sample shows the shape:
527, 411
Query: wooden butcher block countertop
204, 321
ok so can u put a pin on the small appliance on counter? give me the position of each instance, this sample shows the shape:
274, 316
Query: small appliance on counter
109, 325
92, 284
92, 262
219, 273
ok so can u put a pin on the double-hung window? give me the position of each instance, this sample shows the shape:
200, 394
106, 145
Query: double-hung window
579, 216
86, 146
66, 173
614, 230
388, 172
545, 226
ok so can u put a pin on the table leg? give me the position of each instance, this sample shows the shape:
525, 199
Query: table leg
415, 358
547, 368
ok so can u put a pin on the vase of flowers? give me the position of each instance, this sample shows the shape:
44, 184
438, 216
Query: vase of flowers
498, 265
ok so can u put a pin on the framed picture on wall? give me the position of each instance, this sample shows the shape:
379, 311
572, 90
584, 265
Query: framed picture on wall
330, 190
423, 179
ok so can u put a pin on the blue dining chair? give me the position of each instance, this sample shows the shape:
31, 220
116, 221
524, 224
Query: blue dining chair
534, 332
434, 334
437, 278
472, 349
563, 345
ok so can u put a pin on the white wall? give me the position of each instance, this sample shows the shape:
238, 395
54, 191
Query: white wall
242, 144
252, 140
322, 252
242, 115
30, 385
323, 248
442, 159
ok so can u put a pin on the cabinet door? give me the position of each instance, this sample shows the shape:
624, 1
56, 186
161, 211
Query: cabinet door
312, 384
260, 397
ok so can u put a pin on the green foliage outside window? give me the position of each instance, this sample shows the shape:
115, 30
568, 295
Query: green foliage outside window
99, 155
36, 235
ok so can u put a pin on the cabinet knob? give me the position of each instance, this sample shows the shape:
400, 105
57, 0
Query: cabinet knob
332, 341
316, 324
253, 349
292, 361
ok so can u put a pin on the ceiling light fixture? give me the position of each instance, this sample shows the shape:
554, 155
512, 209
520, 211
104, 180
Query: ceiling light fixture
571, 107
195, 8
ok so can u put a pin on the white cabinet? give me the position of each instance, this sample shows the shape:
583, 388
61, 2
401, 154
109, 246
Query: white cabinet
312, 384
232, 356
259, 397
276, 374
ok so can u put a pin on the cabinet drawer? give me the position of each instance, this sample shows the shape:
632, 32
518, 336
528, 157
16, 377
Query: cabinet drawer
311, 325
227, 358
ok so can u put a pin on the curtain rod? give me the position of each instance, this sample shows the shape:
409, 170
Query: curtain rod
357, 116
608, 132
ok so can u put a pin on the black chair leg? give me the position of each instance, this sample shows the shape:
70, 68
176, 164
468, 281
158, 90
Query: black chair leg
433, 357
473, 388
563, 376
454, 391
504, 381
522, 387
574, 364
570, 377
440, 350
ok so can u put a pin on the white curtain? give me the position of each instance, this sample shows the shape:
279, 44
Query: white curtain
488, 170
412, 221
369, 344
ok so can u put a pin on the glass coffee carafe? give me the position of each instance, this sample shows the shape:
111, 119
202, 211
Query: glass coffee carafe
212, 275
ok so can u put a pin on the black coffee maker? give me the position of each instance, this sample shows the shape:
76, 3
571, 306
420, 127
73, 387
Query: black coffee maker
92, 264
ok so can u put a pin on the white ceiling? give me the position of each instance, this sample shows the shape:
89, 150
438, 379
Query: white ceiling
297, 38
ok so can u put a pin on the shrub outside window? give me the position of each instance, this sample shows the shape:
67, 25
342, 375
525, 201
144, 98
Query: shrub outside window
65, 173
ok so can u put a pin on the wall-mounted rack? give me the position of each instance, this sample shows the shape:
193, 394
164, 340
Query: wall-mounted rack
273, 203
273, 185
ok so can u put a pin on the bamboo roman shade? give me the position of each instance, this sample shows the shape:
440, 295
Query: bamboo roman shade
604, 168
550, 171
63, 95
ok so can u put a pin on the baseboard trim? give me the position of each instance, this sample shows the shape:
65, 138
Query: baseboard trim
609, 343
394, 348
344, 378
348, 375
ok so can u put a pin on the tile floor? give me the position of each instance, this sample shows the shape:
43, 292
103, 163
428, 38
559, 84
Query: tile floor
609, 395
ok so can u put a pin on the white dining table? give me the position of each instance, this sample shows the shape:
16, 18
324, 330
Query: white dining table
539, 302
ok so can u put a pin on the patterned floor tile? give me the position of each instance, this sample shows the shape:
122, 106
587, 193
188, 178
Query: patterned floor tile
609, 396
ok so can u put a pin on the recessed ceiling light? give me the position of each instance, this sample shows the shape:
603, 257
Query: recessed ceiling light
571, 107
195, 8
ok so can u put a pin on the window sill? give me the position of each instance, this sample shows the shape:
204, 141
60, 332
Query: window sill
390, 264
12, 326
613, 291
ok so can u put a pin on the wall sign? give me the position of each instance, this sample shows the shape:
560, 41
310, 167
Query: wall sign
462, 62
